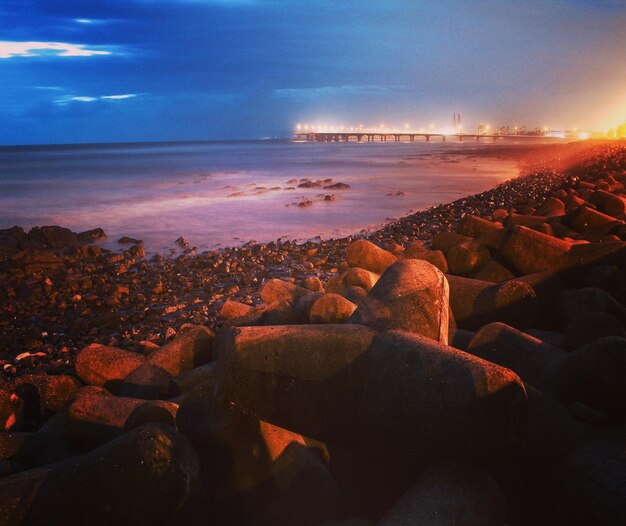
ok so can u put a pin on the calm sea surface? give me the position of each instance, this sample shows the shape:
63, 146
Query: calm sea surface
226, 193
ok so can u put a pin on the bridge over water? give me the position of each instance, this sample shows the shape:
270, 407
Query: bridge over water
403, 136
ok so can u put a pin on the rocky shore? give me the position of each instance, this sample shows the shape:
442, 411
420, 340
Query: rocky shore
464, 365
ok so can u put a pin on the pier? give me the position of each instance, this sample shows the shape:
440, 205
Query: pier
359, 136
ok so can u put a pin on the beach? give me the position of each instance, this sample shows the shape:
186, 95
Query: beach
108, 296
475, 344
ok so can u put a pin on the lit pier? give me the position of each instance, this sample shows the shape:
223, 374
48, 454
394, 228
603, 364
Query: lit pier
363, 136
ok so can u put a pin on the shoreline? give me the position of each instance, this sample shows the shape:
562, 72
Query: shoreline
89, 295
213, 202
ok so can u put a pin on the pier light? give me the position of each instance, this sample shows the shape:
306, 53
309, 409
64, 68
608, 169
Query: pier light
298, 126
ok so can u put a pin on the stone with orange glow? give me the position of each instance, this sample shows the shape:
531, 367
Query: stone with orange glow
403, 391
102, 365
434, 257
353, 276
475, 226
279, 290
331, 308
53, 392
475, 303
192, 346
291, 375
411, 295
365, 254
467, 257
529, 251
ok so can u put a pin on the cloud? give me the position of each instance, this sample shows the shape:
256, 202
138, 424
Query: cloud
67, 99
9, 49
118, 97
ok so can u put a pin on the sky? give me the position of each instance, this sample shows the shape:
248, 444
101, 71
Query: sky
74, 71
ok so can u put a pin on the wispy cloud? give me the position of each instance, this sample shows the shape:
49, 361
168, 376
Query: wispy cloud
89, 21
68, 99
118, 97
10, 49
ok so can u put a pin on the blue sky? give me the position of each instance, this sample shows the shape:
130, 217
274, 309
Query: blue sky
132, 70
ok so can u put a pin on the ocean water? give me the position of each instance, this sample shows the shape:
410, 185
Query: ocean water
227, 193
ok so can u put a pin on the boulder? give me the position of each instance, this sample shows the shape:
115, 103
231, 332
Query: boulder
494, 272
465, 258
278, 290
52, 391
450, 494
445, 240
434, 257
331, 308
102, 365
528, 251
526, 356
147, 382
192, 346
404, 393
552, 207
573, 302
234, 309
52, 236
591, 375
364, 254
289, 375
474, 226
89, 236
590, 326
144, 477
475, 303
411, 295
354, 276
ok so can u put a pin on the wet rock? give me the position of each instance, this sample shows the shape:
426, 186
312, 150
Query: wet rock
337, 186
90, 236
124, 240
52, 236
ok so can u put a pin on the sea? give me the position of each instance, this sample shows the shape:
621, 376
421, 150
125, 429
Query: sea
226, 193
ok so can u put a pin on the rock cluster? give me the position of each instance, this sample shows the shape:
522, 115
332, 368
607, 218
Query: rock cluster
478, 378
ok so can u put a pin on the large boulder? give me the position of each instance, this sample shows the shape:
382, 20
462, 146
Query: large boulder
411, 295
404, 393
364, 254
192, 346
102, 365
